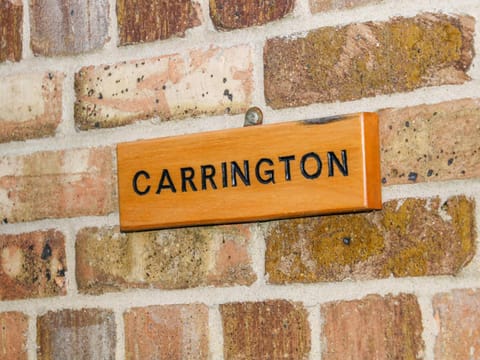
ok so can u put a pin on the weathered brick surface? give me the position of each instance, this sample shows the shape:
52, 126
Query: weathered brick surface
167, 332
146, 20
56, 184
410, 237
30, 105
327, 5
237, 14
11, 20
68, 27
374, 327
368, 59
273, 329
457, 314
210, 82
13, 336
431, 142
182, 258
76, 334
33, 265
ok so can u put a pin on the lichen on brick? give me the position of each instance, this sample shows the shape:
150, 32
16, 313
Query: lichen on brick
409, 237
108, 260
368, 59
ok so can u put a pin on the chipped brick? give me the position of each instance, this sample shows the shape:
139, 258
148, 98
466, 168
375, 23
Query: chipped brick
367, 59
409, 237
27, 270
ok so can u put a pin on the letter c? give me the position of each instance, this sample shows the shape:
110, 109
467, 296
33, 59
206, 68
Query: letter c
135, 185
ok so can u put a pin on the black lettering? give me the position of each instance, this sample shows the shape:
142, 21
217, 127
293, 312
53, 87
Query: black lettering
244, 176
166, 178
286, 160
224, 175
208, 172
269, 172
187, 177
332, 159
146, 175
303, 169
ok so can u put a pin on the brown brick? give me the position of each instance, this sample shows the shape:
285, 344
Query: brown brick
167, 332
273, 329
211, 82
457, 314
30, 106
409, 237
56, 184
431, 142
317, 6
13, 336
68, 27
11, 22
368, 59
374, 327
33, 265
146, 20
108, 260
76, 334
238, 14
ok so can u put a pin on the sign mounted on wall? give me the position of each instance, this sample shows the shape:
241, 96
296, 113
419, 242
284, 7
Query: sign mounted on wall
302, 168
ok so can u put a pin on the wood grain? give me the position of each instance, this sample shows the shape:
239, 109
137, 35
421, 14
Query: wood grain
293, 169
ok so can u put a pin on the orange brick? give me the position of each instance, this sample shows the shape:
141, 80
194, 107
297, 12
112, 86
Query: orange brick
167, 332
274, 329
374, 327
11, 22
457, 314
13, 336
57, 184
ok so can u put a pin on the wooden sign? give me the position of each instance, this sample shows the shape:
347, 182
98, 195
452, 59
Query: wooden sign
294, 169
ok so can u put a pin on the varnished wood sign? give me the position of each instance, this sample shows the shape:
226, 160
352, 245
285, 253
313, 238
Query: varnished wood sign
284, 170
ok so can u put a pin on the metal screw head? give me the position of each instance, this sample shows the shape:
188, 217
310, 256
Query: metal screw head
253, 116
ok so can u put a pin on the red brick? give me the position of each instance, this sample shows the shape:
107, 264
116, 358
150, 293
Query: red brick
409, 237
238, 14
56, 184
13, 336
108, 260
317, 6
167, 332
32, 265
457, 314
11, 22
76, 334
374, 327
146, 20
68, 27
273, 329
368, 59
211, 82
30, 106
431, 142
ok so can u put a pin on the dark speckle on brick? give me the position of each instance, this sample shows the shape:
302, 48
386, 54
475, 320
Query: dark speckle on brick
450, 161
46, 252
412, 176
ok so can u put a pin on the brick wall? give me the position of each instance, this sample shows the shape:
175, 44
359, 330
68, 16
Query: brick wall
77, 77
